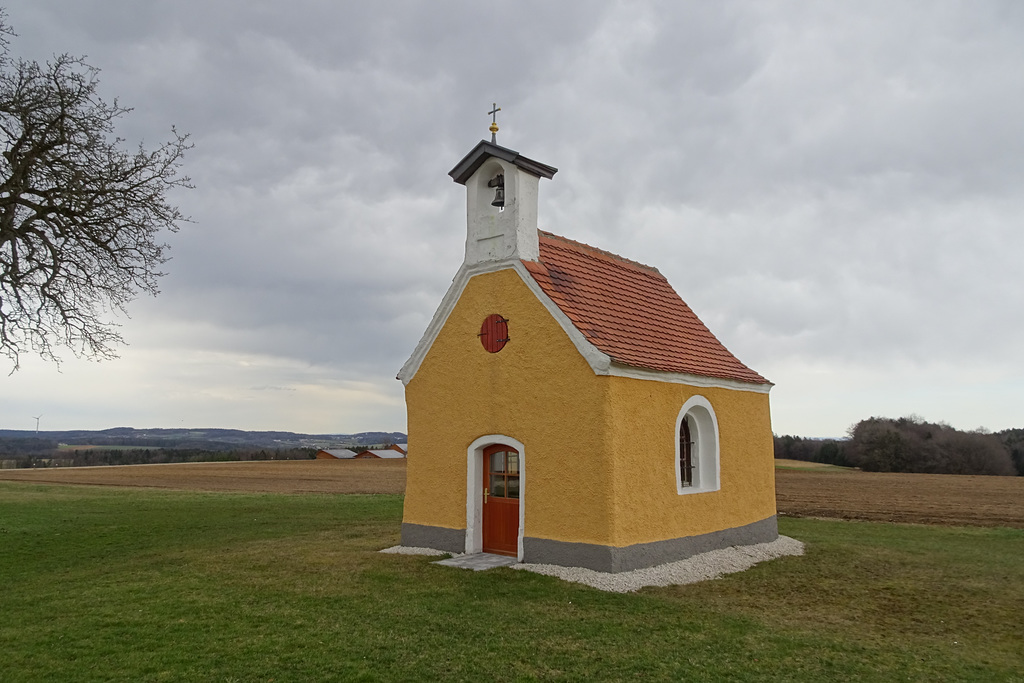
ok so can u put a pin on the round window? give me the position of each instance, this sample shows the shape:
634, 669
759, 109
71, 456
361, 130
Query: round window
494, 333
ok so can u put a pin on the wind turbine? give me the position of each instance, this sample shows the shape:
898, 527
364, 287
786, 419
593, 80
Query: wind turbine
37, 422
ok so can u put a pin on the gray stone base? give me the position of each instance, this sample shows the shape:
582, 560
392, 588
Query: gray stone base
437, 537
604, 558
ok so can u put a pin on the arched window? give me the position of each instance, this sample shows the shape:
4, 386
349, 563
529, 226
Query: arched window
696, 461
685, 453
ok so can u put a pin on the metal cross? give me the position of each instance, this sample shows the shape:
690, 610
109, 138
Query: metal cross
494, 122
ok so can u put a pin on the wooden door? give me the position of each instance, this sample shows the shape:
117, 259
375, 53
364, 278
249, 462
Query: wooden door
501, 500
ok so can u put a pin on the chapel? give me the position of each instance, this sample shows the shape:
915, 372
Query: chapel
566, 406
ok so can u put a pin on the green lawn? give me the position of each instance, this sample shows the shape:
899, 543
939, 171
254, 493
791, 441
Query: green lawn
123, 584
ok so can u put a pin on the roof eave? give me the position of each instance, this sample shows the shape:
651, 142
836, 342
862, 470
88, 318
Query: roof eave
619, 369
485, 150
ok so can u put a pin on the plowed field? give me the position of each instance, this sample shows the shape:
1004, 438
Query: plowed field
915, 498
276, 476
842, 494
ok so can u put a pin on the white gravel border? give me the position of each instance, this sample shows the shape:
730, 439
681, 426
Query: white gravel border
703, 567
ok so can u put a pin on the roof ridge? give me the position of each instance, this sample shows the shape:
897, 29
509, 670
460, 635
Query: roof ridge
600, 252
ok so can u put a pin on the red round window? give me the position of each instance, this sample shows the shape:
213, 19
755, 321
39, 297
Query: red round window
494, 333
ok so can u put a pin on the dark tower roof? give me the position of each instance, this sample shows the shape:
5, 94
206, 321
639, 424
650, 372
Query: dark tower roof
485, 150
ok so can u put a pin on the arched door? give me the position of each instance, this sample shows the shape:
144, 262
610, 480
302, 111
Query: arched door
501, 500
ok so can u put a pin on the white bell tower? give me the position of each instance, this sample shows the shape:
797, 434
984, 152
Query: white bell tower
501, 202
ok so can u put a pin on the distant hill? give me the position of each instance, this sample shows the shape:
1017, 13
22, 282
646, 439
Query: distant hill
203, 439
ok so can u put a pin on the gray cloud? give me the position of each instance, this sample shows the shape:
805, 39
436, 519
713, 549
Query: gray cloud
834, 189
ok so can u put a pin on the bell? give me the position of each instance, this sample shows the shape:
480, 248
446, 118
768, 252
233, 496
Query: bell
498, 183
499, 197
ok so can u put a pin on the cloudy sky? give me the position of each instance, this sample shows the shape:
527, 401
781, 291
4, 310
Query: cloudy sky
837, 189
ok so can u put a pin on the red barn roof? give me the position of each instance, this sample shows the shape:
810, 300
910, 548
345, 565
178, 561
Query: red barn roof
630, 312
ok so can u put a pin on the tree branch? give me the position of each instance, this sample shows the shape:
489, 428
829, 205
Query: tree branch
80, 216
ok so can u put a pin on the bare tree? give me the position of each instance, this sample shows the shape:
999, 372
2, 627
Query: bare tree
910, 444
80, 215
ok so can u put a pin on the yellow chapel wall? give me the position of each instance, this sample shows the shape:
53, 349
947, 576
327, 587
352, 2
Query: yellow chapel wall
648, 508
538, 389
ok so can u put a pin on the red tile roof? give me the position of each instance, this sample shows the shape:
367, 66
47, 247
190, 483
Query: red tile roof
630, 311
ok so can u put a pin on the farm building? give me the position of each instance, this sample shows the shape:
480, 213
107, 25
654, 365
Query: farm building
386, 453
335, 454
567, 407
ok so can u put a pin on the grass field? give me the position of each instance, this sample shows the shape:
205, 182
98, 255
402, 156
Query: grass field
785, 464
158, 585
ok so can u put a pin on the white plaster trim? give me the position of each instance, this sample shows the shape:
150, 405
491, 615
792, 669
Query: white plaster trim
598, 361
704, 431
475, 493
619, 370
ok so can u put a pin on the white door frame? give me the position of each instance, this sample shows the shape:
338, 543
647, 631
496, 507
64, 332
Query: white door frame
475, 490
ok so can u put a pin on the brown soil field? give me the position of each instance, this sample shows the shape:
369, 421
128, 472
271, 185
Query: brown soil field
832, 493
949, 499
274, 476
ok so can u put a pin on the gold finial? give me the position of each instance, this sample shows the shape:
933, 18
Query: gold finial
494, 122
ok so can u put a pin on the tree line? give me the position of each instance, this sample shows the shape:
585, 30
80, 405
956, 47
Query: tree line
909, 444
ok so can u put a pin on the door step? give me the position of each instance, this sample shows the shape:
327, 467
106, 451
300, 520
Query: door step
478, 562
